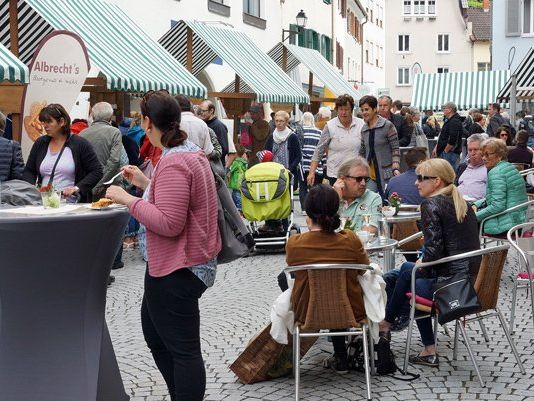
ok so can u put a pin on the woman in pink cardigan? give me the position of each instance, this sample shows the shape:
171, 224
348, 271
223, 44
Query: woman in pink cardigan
179, 213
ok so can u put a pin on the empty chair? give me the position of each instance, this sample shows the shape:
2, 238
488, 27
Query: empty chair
522, 239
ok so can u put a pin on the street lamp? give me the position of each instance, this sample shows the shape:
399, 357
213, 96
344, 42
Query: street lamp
301, 24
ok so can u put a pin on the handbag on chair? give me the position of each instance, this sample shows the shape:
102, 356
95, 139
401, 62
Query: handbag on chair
454, 297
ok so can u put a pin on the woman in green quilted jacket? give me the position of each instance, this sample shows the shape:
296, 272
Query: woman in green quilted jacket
505, 189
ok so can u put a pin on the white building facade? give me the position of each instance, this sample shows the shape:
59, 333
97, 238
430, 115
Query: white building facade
429, 36
374, 57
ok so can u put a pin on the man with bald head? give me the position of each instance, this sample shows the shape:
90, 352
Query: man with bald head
207, 113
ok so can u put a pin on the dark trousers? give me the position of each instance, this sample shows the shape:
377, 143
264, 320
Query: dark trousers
423, 288
171, 325
303, 187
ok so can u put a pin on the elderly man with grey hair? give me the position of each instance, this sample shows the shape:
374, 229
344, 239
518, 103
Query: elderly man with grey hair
106, 141
449, 144
472, 175
11, 163
357, 204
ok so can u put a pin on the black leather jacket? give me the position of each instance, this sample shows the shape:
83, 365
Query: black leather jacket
444, 236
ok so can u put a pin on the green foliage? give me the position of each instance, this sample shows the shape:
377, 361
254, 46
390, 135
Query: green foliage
475, 3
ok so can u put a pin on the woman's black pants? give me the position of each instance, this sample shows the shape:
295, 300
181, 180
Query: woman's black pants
171, 325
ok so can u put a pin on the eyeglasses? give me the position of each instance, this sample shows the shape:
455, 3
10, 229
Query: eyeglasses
358, 179
488, 154
421, 178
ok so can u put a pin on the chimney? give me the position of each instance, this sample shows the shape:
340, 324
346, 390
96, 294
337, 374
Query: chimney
486, 5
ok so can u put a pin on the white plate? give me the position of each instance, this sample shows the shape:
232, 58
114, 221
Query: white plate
98, 209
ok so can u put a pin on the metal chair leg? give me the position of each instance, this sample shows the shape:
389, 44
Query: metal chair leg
510, 340
296, 359
435, 319
372, 354
446, 330
455, 344
483, 329
408, 341
470, 352
366, 360
512, 309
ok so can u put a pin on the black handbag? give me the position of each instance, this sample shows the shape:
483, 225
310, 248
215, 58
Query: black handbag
454, 297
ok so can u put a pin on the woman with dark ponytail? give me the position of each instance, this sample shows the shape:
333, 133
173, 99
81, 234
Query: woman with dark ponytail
180, 242
322, 244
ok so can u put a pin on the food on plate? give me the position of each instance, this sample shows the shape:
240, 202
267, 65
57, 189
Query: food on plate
34, 128
101, 203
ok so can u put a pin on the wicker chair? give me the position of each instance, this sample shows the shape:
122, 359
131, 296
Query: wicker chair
487, 288
520, 237
329, 308
425, 305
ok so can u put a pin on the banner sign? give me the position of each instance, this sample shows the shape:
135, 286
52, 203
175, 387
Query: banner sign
57, 73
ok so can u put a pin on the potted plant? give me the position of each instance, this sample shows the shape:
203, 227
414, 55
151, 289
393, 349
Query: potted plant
395, 201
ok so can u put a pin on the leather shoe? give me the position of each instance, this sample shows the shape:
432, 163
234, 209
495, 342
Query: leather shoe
427, 360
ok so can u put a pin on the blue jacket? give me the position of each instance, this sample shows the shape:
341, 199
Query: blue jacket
11, 162
136, 133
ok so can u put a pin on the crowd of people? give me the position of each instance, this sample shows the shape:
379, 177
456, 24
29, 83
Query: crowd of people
345, 167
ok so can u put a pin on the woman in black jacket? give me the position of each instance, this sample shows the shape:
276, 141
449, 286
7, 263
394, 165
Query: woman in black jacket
449, 228
65, 161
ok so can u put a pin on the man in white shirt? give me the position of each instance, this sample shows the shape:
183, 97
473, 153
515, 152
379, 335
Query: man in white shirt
196, 129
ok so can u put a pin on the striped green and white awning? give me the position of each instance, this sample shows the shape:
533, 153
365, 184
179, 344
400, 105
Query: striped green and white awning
11, 68
324, 71
313, 60
524, 74
129, 59
255, 69
467, 90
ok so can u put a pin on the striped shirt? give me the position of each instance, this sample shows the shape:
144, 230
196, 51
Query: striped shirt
309, 143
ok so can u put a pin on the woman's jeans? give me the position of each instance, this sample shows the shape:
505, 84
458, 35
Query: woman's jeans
423, 288
171, 325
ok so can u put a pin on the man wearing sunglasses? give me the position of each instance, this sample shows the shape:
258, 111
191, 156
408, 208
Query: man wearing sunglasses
358, 203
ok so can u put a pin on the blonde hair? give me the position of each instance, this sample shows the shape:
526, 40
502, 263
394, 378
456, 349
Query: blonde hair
496, 145
443, 170
282, 113
431, 121
136, 119
307, 120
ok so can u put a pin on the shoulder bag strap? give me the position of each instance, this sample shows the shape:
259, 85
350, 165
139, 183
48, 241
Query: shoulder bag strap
51, 180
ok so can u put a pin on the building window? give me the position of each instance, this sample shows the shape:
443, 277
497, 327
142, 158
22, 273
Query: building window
443, 43
377, 56
403, 76
366, 51
431, 10
419, 7
381, 57
252, 7
528, 17
483, 67
407, 7
443, 70
404, 43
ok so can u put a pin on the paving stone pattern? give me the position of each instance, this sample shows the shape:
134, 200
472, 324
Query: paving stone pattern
238, 305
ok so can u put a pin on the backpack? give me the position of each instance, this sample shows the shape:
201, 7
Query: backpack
236, 240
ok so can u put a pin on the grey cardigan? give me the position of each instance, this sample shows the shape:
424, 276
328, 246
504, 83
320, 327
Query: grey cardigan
386, 145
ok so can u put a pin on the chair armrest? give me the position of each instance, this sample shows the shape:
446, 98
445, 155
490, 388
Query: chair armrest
511, 209
327, 266
410, 238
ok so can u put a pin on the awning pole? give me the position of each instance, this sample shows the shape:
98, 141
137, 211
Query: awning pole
310, 84
189, 49
284, 58
237, 119
13, 28
513, 100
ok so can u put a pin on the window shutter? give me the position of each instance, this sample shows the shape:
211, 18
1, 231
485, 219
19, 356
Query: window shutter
308, 38
513, 18
292, 40
315, 41
326, 47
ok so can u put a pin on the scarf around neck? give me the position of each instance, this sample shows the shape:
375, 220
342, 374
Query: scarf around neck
281, 136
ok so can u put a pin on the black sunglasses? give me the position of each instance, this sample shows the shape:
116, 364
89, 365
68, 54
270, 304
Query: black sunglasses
358, 179
424, 177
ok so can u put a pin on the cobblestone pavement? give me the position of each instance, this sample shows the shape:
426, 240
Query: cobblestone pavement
238, 306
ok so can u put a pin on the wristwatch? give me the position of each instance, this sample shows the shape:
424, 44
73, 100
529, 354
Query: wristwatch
76, 189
